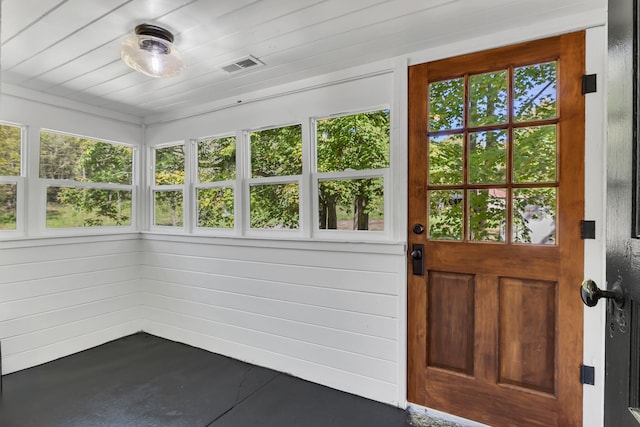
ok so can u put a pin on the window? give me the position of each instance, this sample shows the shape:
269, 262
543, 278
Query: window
215, 183
168, 185
88, 182
271, 181
11, 180
274, 183
352, 166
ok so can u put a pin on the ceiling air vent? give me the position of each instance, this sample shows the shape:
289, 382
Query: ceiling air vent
243, 64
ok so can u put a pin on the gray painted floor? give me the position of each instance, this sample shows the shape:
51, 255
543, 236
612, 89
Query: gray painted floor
142, 380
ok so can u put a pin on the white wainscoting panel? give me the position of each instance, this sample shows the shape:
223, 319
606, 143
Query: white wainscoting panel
316, 312
64, 295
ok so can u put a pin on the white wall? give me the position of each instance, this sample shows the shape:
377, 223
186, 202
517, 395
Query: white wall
324, 312
329, 312
61, 296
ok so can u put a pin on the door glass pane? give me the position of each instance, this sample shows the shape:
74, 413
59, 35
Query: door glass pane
534, 215
275, 206
487, 214
535, 93
446, 101
168, 208
215, 207
8, 203
351, 204
488, 99
534, 154
488, 157
445, 159
445, 214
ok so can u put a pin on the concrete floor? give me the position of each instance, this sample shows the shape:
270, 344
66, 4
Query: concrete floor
142, 380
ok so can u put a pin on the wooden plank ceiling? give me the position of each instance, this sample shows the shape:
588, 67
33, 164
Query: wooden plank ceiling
71, 48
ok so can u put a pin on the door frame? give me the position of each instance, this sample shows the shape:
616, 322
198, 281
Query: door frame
595, 181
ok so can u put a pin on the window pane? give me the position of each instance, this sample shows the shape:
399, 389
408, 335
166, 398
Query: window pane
446, 100
87, 207
488, 99
534, 154
445, 159
275, 206
81, 159
170, 165
445, 214
487, 214
351, 204
534, 215
276, 152
168, 208
10, 138
8, 202
217, 159
488, 157
535, 92
215, 207
359, 141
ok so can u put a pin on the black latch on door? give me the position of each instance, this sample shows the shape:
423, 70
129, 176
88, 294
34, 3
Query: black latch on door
417, 259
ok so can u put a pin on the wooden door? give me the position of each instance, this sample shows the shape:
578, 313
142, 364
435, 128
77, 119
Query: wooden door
496, 176
622, 342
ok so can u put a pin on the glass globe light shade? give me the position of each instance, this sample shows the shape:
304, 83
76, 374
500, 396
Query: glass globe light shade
150, 55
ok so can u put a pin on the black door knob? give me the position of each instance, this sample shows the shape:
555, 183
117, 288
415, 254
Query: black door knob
591, 293
416, 254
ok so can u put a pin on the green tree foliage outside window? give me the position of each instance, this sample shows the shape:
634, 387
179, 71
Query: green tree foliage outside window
354, 142
10, 143
169, 170
534, 151
66, 157
216, 164
276, 153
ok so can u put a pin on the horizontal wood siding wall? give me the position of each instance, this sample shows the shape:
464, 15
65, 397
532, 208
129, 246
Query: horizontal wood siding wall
61, 296
328, 316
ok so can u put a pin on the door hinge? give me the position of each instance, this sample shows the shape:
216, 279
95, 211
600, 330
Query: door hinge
587, 229
589, 84
587, 375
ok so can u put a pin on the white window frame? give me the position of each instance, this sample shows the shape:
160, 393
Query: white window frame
187, 200
69, 183
196, 185
20, 182
317, 177
249, 182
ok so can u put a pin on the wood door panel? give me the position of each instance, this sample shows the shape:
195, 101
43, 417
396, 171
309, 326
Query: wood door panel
527, 325
500, 260
450, 312
495, 326
502, 405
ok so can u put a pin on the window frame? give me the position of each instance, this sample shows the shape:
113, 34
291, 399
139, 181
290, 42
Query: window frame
235, 185
248, 181
44, 183
317, 177
155, 188
20, 182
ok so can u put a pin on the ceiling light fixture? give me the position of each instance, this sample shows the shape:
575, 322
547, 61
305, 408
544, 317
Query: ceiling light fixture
151, 51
